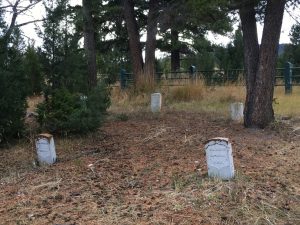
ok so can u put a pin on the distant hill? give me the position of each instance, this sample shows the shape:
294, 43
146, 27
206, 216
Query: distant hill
281, 48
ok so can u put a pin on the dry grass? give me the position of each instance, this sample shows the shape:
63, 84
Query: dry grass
191, 97
191, 92
142, 171
194, 97
287, 105
199, 98
128, 101
212, 99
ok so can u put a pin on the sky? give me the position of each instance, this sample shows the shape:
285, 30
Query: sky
288, 20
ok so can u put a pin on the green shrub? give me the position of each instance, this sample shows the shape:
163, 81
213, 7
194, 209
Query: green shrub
12, 100
66, 112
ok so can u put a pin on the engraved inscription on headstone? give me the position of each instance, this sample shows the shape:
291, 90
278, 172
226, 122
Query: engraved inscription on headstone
219, 158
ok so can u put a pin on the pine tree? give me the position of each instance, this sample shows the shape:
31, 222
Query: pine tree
13, 89
33, 70
62, 58
294, 48
73, 104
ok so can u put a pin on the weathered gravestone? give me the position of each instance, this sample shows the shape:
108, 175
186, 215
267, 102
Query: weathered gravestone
219, 158
237, 111
155, 102
45, 149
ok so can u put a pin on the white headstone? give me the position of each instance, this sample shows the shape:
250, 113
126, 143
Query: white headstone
45, 149
219, 158
156, 102
237, 111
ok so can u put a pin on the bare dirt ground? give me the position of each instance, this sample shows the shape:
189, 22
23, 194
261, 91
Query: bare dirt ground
141, 170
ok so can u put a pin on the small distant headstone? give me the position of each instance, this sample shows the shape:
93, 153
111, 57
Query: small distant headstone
237, 111
155, 102
219, 158
45, 149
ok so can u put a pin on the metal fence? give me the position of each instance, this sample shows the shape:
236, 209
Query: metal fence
288, 76
181, 78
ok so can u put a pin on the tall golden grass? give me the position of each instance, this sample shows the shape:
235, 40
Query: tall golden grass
191, 92
198, 97
195, 97
287, 105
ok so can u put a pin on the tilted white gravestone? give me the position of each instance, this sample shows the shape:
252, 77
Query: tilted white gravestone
156, 102
237, 111
219, 158
45, 149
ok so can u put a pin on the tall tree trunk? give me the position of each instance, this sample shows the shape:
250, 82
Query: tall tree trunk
149, 69
89, 42
175, 51
259, 110
251, 55
263, 112
134, 39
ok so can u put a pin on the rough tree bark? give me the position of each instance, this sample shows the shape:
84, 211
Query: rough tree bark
134, 39
251, 55
89, 42
260, 68
175, 51
149, 68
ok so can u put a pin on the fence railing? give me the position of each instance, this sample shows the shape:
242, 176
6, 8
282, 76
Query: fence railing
288, 77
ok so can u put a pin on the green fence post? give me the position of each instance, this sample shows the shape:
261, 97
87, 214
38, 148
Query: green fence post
288, 77
192, 71
123, 79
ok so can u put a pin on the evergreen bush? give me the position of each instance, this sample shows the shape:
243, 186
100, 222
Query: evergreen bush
65, 112
13, 103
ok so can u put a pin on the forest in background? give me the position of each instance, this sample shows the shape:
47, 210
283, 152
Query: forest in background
85, 46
